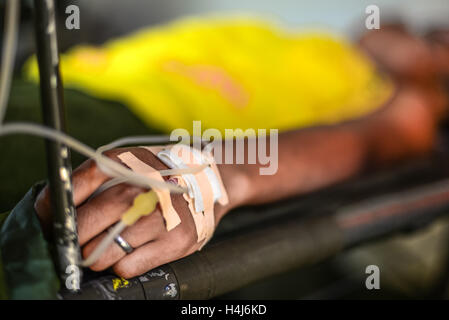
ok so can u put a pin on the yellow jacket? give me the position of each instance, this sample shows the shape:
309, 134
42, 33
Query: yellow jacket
228, 73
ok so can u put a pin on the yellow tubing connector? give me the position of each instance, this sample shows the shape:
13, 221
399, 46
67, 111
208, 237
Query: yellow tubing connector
143, 205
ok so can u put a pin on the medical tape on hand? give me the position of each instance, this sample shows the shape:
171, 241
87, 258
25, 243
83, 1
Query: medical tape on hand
170, 215
213, 180
205, 187
209, 159
203, 226
174, 162
205, 220
181, 154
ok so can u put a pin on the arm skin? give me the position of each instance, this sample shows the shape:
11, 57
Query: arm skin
308, 159
404, 127
313, 158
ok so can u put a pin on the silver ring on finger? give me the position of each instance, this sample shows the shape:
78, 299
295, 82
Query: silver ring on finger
123, 244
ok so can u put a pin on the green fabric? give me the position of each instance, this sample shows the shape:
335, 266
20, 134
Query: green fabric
27, 267
92, 121
3, 289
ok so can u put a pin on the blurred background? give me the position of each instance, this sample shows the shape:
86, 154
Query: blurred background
413, 265
112, 18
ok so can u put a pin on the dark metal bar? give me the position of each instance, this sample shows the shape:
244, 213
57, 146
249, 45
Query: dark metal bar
225, 266
257, 255
278, 247
295, 243
58, 157
383, 215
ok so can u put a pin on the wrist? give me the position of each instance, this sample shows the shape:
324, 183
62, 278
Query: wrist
237, 183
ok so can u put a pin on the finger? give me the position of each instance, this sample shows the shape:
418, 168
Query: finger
85, 180
150, 256
146, 229
103, 210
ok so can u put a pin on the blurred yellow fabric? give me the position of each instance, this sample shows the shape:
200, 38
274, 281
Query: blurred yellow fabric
228, 73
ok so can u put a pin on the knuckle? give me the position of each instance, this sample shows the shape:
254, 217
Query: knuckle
86, 251
147, 227
100, 264
97, 267
125, 193
131, 192
183, 239
89, 167
124, 270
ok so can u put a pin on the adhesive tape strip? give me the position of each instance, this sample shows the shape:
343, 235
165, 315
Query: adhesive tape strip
170, 215
173, 161
205, 187
200, 159
204, 221
223, 200
205, 183
198, 218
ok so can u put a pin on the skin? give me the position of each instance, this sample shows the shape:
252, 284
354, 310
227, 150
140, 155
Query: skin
308, 160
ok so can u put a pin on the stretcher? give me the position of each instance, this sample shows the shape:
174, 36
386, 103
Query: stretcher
256, 243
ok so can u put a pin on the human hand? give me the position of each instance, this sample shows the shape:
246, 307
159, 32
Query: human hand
153, 244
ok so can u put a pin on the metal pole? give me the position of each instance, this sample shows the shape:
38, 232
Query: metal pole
58, 157
276, 248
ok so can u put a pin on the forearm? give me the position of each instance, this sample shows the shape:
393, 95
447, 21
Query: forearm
307, 160
313, 158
